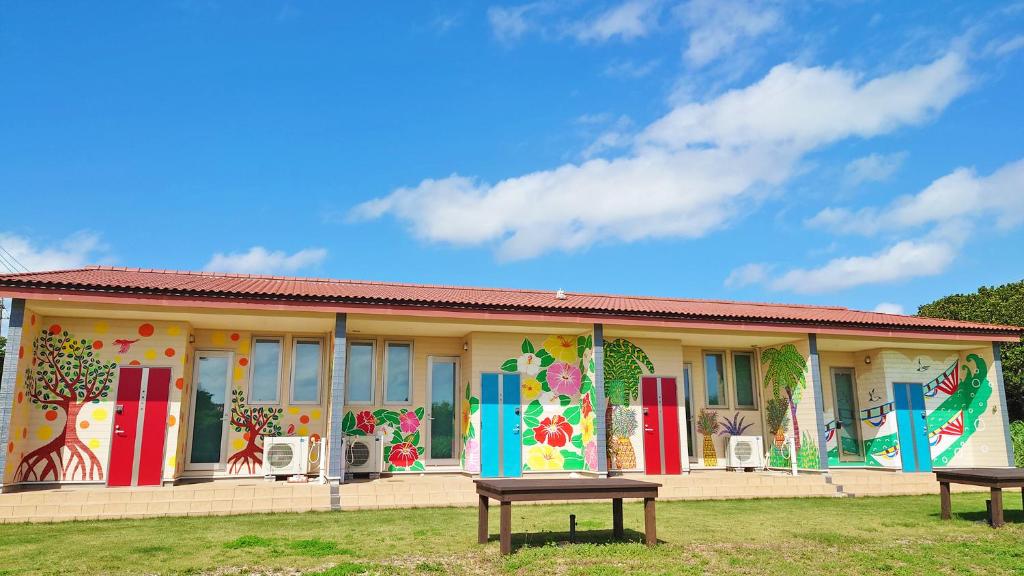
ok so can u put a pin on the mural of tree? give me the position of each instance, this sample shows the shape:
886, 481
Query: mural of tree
255, 422
786, 372
64, 377
624, 363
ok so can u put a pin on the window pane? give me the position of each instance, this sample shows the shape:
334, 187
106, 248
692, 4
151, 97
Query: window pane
208, 414
442, 409
266, 369
306, 382
714, 375
397, 386
743, 368
360, 372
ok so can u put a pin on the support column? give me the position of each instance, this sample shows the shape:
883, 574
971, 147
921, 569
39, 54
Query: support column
997, 367
335, 450
8, 379
599, 400
819, 401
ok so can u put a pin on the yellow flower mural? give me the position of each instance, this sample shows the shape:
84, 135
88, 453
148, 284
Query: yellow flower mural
530, 388
544, 457
587, 429
561, 347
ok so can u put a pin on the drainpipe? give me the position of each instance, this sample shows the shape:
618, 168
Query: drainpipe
335, 457
819, 402
599, 401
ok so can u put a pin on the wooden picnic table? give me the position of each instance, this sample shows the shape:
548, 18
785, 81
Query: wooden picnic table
507, 491
994, 478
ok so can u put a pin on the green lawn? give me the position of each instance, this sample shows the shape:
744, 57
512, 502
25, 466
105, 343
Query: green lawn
901, 535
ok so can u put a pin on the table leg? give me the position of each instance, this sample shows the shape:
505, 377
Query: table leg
506, 528
997, 507
945, 504
650, 525
481, 520
617, 517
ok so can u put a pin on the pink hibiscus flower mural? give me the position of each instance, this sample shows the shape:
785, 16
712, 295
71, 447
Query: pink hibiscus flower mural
564, 378
473, 456
590, 455
408, 422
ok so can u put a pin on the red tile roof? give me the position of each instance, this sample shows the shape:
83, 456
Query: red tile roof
248, 286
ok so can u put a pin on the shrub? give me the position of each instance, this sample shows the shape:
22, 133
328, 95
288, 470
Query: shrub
1017, 438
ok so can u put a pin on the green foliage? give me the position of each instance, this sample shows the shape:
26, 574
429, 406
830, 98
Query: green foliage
256, 420
624, 363
998, 305
786, 369
1017, 437
776, 411
67, 371
707, 422
248, 541
3, 346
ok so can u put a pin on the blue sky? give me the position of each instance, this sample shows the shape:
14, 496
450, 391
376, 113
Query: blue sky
857, 154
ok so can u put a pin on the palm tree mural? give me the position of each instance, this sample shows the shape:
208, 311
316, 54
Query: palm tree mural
786, 372
624, 364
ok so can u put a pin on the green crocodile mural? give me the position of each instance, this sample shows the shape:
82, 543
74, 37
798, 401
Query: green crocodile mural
956, 417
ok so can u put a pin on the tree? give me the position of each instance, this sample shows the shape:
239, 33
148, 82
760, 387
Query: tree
254, 422
786, 372
65, 376
997, 305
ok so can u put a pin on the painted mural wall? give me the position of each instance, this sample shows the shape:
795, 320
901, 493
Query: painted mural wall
964, 424
789, 405
249, 424
66, 388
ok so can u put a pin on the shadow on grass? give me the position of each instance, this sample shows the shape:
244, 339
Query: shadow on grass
1009, 516
538, 539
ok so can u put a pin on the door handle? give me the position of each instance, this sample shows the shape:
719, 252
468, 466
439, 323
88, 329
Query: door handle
118, 430
515, 429
646, 429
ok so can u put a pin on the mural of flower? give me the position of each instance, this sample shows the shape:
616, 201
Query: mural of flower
366, 422
530, 388
587, 429
586, 408
590, 455
409, 422
528, 363
563, 348
564, 378
543, 457
553, 431
465, 416
403, 455
473, 456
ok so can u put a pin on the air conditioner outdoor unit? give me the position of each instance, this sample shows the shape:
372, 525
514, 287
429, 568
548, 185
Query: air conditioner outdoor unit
746, 452
363, 454
285, 455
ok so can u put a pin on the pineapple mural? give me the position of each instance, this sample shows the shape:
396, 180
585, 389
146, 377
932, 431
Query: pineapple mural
620, 448
776, 411
708, 425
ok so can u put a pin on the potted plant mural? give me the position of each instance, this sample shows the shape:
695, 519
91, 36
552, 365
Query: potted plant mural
708, 426
735, 427
620, 449
785, 372
775, 413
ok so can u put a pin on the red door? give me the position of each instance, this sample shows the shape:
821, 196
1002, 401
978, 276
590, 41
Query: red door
661, 425
140, 429
652, 425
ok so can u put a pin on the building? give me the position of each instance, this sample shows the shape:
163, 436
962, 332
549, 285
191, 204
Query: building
131, 377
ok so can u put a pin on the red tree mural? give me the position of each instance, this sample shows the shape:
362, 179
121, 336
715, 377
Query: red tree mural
65, 376
255, 422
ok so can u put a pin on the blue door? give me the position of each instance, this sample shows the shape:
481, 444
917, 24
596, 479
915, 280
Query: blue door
912, 424
501, 452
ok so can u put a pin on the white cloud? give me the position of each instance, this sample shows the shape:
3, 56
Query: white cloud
1005, 47
716, 26
687, 174
889, 308
617, 135
629, 69
901, 261
74, 251
746, 275
809, 107
629, 20
955, 196
873, 168
258, 260
509, 23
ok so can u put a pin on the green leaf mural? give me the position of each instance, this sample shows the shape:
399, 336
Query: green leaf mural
624, 363
786, 372
403, 450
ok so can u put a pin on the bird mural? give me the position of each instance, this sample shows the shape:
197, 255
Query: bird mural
124, 345
922, 367
873, 395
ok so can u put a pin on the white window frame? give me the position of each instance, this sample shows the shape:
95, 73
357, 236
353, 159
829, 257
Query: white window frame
373, 372
319, 373
252, 370
723, 392
735, 382
225, 427
387, 345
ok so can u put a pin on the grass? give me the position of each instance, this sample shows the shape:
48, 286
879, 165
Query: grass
900, 535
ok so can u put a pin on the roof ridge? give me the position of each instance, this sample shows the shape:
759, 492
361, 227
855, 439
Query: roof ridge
242, 275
